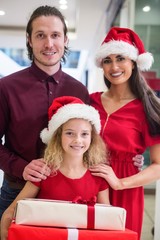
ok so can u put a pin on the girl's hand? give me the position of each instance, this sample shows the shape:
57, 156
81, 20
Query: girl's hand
4, 234
106, 172
6, 221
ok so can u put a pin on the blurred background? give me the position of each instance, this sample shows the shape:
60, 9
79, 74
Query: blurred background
88, 22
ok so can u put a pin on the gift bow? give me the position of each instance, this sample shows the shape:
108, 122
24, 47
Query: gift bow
90, 209
80, 200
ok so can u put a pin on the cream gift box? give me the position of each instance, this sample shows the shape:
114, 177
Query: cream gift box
40, 212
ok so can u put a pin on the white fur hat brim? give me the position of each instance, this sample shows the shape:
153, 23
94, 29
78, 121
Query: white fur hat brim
144, 61
67, 112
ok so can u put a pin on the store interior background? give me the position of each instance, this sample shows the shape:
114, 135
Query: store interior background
88, 22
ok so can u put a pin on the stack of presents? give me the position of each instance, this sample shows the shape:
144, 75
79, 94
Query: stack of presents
40, 219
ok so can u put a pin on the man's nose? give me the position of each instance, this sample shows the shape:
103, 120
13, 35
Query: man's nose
49, 42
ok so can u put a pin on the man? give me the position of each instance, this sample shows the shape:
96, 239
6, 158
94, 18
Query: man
25, 97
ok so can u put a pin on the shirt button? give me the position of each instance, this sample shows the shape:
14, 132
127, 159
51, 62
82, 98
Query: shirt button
50, 92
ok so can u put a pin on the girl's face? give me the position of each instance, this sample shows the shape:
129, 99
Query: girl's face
117, 69
76, 137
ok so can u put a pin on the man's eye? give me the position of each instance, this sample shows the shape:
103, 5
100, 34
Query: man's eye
55, 35
40, 36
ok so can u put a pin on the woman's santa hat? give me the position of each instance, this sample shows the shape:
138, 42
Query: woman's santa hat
126, 42
66, 108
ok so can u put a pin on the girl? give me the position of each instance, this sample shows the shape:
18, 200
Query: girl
130, 118
73, 145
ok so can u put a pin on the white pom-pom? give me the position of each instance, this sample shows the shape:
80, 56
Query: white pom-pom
145, 61
45, 135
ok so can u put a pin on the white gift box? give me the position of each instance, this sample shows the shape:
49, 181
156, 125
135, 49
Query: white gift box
40, 212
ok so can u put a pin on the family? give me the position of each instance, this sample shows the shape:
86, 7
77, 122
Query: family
56, 132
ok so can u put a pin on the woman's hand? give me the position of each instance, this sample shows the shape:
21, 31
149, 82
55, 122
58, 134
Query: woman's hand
106, 172
36, 171
138, 161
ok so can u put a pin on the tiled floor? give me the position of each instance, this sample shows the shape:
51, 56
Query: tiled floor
148, 222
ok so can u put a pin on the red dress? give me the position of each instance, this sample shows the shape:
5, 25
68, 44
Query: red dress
126, 134
60, 187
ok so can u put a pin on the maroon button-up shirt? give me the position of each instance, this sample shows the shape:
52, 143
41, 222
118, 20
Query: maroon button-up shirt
24, 100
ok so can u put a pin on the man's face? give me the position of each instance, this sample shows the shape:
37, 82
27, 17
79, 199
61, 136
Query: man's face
47, 41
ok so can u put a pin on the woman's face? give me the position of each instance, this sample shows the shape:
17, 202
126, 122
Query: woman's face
117, 68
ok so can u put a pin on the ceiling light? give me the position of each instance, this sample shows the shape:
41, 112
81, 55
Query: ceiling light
63, 6
146, 9
2, 13
62, 2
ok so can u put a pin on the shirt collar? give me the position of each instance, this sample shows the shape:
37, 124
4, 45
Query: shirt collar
43, 76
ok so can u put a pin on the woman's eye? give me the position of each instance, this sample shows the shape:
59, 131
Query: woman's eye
106, 61
121, 59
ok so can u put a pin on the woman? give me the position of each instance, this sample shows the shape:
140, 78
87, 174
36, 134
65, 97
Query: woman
130, 118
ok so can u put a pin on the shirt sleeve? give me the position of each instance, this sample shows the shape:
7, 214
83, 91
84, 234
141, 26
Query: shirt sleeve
10, 162
38, 184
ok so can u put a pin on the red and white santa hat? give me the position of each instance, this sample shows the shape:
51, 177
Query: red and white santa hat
66, 108
126, 42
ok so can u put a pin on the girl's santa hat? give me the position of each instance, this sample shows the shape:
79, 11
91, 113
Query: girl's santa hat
66, 108
126, 42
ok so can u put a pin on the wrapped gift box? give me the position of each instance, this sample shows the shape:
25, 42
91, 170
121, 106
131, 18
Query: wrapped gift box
67, 214
22, 232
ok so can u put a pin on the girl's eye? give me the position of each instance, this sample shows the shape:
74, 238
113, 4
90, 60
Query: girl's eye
69, 133
85, 134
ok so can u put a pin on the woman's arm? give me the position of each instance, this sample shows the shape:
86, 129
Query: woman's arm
138, 161
29, 191
146, 176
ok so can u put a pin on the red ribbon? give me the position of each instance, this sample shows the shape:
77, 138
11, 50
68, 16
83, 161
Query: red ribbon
90, 210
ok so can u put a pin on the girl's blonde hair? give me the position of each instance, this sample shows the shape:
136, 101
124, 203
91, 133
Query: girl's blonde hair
97, 152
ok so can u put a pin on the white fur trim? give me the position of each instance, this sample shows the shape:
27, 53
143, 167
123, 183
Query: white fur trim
144, 61
68, 112
116, 47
